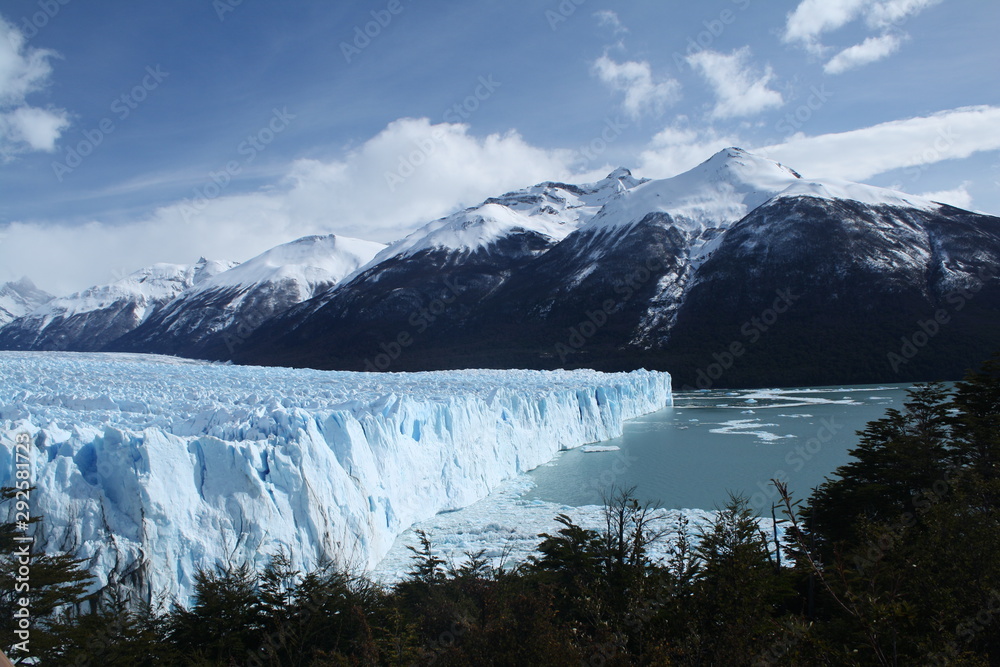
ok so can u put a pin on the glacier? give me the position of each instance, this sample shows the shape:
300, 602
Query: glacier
152, 467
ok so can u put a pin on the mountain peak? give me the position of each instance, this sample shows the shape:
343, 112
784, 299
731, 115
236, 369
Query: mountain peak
19, 298
746, 163
716, 193
25, 284
307, 261
622, 177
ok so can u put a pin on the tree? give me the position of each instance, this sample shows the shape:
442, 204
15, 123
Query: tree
226, 621
737, 593
55, 583
899, 455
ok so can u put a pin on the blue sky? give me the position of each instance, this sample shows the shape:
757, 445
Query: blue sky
132, 133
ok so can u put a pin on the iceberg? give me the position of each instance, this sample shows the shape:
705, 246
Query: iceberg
153, 467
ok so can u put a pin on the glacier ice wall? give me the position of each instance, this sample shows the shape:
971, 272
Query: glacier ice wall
152, 467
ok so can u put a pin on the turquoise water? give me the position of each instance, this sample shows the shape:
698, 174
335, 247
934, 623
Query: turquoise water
712, 443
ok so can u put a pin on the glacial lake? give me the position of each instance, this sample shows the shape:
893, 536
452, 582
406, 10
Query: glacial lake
711, 443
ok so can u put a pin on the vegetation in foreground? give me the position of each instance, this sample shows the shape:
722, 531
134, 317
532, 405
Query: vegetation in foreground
893, 561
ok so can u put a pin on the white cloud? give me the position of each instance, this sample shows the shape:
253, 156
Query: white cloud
352, 195
38, 128
643, 94
23, 71
609, 19
740, 90
812, 18
911, 143
893, 12
440, 168
678, 148
959, 197
871, 50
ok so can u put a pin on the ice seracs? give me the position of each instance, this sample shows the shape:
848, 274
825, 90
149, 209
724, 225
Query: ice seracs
151, 467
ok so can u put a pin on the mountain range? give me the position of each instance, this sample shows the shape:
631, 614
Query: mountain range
739, 272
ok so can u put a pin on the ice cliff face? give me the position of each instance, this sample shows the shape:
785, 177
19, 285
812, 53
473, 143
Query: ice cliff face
151, 466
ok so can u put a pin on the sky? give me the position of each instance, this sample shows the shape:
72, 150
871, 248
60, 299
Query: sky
144, 132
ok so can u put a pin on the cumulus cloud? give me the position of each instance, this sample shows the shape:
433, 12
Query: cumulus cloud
643, 94
869, 51
23, 71
414, 171
807, 23
410, 173
740, 89
812, 18
678, 148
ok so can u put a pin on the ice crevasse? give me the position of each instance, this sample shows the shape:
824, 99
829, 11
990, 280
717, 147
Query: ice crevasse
152, 467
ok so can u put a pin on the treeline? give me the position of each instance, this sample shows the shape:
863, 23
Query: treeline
893, 561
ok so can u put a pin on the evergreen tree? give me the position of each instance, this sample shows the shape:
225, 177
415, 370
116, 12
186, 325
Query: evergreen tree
55, 584
898, 456
737, 593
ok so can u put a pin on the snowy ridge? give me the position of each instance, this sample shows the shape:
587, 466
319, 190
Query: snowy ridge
307, 262
149, 286
20, 298
720, 191
152, 466
829, 188
553, 210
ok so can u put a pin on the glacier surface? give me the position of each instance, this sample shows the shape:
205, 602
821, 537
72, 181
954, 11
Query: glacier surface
152, 467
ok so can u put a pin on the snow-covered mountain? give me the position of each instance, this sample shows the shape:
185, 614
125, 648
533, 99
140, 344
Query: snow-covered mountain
152, 467
668, 274
432, 282
20, 298
213, 317
619, 274
92, 319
